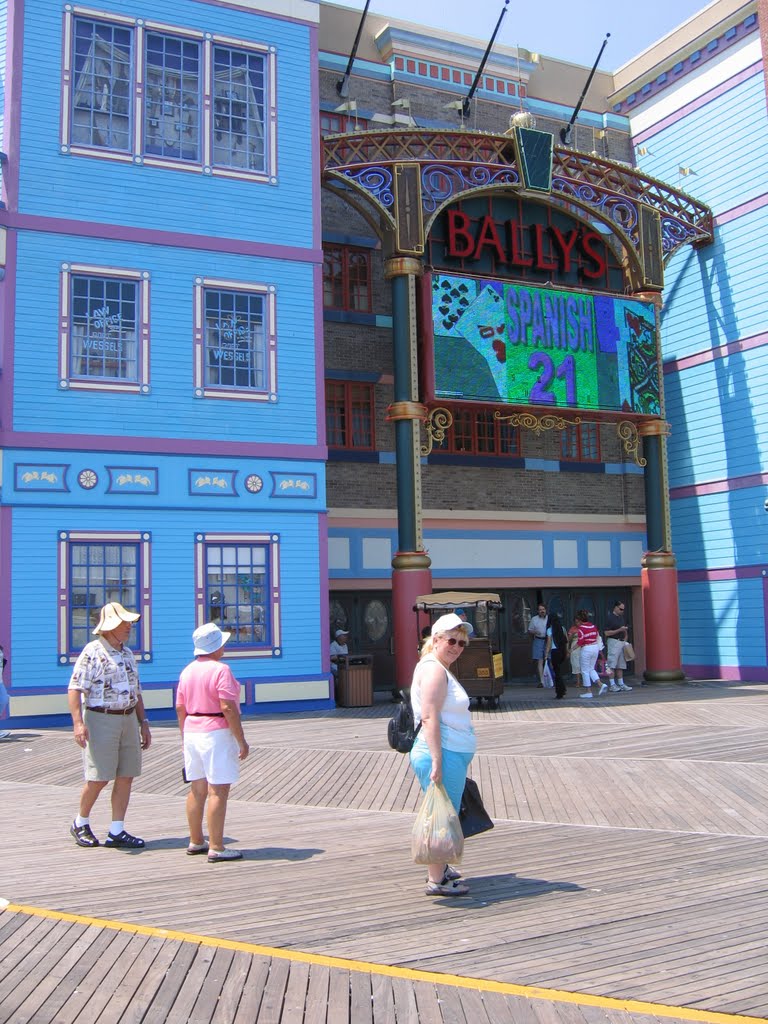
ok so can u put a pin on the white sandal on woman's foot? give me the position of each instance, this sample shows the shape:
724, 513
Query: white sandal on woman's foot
453, 888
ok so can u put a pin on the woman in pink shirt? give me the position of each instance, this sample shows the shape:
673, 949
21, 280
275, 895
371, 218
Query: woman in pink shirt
208, 709
589, 644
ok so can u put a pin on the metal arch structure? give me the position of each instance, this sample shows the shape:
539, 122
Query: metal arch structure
361, 166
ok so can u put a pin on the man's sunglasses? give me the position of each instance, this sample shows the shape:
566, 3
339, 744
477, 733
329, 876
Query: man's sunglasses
452, 641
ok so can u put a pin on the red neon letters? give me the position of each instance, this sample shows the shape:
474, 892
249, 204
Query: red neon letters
549, 248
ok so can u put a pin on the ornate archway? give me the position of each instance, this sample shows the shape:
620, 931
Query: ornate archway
400, 181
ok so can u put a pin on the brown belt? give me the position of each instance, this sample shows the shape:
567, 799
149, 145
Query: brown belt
109, 711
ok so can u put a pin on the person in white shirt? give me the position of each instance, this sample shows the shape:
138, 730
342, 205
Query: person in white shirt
446, 741
339, 648
537, 627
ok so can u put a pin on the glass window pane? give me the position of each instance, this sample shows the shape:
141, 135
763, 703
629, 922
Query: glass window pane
235, 340
172, 97
240, 603
238, 109
102, 86
103, 332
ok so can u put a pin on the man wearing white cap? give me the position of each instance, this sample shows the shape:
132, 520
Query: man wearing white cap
110, 724
208, 709
339, 648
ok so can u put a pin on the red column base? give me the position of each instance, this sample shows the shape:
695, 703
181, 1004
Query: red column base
661, 618
411, 578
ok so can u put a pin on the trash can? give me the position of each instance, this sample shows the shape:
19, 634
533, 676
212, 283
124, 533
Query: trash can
354, 681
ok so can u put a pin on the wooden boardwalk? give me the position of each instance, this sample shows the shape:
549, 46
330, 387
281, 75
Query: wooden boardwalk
626, 879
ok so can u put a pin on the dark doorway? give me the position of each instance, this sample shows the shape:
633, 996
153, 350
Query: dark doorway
368, 617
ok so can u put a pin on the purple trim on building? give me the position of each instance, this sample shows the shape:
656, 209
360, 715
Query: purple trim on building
741, 211
319, 359
160, 446
14, 54
701, 101
8, 325
728, 673
314, 106
672, 74
6, 517
736, 483
325, 612
735, 572
710, 354
150, 236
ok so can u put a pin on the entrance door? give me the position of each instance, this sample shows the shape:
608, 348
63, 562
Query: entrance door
368, 617
519, 606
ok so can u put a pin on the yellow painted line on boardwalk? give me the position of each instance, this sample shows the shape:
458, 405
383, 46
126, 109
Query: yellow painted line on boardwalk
407, 973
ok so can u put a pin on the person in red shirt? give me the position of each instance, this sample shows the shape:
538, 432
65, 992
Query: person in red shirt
590, 644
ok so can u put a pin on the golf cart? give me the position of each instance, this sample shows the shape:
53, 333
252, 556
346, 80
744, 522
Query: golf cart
480, 669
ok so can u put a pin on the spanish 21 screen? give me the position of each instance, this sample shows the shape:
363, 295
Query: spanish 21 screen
500, 342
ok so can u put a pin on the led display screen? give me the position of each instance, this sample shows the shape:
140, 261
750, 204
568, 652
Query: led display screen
518, 344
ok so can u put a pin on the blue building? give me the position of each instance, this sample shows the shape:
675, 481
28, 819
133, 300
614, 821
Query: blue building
697, 106
162, 378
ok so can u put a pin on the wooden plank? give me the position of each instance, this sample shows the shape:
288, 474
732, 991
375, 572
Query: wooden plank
338, 998
382, 1000
125, 992
360, 1008
212, 987
317, 995
184, 954
181, 1010
55, 1006
274, 992
252, 991
451, 1009
295, 998
32, 969
428, 1003
406, 1008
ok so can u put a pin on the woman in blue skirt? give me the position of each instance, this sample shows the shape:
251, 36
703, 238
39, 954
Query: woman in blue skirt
446, 741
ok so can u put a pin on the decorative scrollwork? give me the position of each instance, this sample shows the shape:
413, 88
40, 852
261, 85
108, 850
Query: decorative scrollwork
528, 421
376, 180
436, 424
441, 181
618, 208
674, 234
628, 436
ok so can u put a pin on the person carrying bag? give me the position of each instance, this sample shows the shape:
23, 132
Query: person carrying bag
446, 742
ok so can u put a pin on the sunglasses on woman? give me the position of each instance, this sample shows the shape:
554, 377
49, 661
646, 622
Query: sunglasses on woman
452, 641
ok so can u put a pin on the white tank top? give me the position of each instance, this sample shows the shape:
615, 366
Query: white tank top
456, 731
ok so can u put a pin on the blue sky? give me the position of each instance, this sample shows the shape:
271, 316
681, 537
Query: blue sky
569, 29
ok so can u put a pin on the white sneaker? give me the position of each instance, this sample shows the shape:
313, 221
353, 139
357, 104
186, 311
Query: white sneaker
603, 689
626, 688
614, 689
5, 734
585, 696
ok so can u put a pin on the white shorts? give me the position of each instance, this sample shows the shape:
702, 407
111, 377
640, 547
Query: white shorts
212, 756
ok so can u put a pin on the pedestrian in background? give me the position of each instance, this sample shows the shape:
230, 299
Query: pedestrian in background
537, 627
617, 634
589, 642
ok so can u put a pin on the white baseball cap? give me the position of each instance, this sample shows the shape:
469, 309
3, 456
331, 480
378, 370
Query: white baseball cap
449, 622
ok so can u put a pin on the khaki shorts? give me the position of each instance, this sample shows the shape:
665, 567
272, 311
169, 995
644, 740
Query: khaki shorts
114, 747
616, 657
